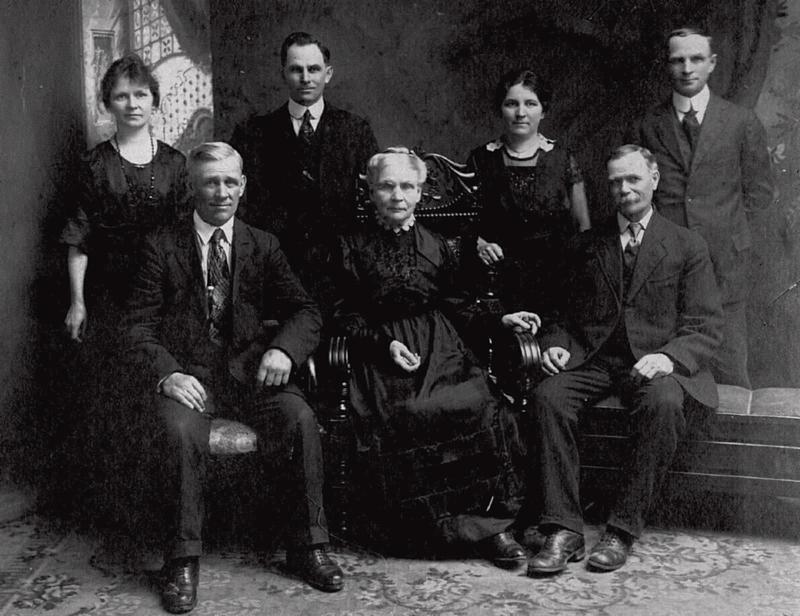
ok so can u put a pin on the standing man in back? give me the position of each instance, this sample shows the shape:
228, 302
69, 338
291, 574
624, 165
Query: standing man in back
715, 172
305, 158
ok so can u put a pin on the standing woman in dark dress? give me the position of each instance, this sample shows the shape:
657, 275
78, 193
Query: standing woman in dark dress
531, 194
124, 188
436, 444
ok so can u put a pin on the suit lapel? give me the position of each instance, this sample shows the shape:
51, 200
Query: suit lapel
242, 254
665, 130
607, 254
713, 125
188, 257
651, 253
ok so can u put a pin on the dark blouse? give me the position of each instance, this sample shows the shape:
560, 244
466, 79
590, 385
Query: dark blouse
524, 202
111, 213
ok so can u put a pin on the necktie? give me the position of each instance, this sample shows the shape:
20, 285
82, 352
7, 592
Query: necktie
630, 252
691, 126
219, 286
306, 133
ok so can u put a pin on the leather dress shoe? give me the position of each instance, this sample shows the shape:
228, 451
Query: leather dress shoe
560, 547
503, 550
532, 539
316, 568
611, 552
179, 585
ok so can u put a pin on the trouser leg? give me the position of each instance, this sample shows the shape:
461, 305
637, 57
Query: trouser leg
657, 425
182, 466
554, 459
289, 440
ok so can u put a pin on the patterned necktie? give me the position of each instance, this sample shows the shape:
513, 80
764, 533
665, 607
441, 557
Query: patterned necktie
691, 126
306, 133
219, 286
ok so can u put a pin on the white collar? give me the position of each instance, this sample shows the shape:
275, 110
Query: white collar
205, 230
406, 226
545, 144
296, 110
699, 101
624, 222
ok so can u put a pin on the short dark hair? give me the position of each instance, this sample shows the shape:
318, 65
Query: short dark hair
134, 68
690, 31
301, 39
632, 148
531, 80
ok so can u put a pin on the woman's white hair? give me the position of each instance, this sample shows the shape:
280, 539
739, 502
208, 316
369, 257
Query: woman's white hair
378, 162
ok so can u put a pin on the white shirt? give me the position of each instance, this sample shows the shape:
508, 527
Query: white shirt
624, 230
296, 111
699, 103
203, 233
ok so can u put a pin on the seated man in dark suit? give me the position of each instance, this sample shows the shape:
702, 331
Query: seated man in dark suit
304, 160
195, 326
641, 318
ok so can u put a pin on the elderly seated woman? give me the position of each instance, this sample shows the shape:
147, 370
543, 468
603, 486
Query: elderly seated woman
437, 447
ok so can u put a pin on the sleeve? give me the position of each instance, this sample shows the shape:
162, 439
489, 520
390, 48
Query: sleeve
489, 224
368, 341
84, 198
142, 319
757, 181
572, 172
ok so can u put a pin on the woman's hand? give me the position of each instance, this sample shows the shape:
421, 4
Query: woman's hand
404, 358
522, 321
489, 252
75, 321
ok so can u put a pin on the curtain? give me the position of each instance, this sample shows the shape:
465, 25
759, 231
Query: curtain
190, 22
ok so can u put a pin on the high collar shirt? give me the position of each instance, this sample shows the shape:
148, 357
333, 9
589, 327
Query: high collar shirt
625, 232
203, 232
699, 103
296, 112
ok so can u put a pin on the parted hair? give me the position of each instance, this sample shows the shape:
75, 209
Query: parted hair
134, 68
211, 151
632, 148
689, 31
528, 78
376, 164
301, 39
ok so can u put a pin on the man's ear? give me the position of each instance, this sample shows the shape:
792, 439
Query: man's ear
328, 73
712, 61
244, 183
656, 177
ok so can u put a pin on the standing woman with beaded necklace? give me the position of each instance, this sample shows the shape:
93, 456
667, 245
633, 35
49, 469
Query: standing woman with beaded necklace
126, 186
531, 195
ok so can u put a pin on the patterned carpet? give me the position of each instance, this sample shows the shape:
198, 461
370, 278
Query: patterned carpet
45, 571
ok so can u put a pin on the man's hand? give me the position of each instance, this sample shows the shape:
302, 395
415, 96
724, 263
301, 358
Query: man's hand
274, 369
75, 321
652, 366
489, 252
522, 321
554, 360
185, 389
404, 358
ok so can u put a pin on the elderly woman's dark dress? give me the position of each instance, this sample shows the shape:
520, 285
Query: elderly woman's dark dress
436, 446
525, 207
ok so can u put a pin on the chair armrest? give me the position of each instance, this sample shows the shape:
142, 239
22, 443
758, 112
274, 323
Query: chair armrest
517, 361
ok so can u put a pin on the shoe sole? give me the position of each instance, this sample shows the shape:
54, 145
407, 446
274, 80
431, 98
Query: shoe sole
595, 566
509, 563
576, 556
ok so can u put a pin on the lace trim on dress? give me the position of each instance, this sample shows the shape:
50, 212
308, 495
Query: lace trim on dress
545, 144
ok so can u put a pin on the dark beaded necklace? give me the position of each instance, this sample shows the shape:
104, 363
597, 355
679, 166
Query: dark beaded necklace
129, 181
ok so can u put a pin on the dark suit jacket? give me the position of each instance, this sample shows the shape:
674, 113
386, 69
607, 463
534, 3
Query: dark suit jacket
269, 147
713, 191
165, 325
672, 306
